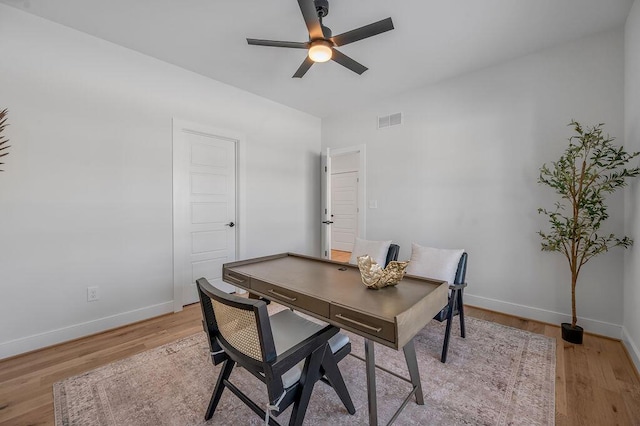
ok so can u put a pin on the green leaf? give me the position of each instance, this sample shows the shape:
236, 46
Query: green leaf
3, 140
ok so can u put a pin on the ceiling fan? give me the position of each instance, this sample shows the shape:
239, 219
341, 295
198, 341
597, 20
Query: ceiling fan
322, 45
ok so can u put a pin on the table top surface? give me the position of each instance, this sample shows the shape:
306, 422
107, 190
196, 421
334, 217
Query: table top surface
340, 285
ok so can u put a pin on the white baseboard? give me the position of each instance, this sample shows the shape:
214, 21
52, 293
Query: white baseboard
49, 338
590, 325
632, 348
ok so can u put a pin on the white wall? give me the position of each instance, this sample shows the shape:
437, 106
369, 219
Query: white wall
86, 198
631, 323
461, 172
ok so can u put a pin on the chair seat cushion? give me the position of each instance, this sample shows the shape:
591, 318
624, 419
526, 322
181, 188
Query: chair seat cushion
288, 330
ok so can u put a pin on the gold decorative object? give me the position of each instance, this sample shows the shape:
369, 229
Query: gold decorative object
373, 276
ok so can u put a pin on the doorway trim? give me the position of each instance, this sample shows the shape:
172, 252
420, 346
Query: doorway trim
361, 150
179, 126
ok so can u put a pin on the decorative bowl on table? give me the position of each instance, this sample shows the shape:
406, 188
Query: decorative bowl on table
375, 277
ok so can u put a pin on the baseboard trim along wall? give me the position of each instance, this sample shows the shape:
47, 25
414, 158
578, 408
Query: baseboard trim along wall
53, 337
632, 348
590, 325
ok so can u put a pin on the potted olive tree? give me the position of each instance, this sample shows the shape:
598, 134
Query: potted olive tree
590, 168
3, 140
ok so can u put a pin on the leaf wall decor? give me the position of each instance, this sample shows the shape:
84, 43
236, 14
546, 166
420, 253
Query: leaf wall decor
3, 139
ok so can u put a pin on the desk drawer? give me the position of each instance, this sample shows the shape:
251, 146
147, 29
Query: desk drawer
235, 278
370, 325
291, 297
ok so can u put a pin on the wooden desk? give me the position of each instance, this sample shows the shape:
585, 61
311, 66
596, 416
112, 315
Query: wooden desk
333, 292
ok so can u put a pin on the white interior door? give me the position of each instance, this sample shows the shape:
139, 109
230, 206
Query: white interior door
359, 166
325, 214
204, 208
344, 210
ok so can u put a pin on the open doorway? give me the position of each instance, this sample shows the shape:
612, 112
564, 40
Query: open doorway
343, 203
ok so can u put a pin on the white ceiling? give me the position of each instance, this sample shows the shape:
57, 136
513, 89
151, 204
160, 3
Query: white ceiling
432, 39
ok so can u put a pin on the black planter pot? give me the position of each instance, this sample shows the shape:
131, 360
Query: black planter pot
572, 334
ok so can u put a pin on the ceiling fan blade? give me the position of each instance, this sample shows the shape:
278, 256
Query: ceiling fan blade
308, 9
276, 43
363, 32
304, 67
347, 62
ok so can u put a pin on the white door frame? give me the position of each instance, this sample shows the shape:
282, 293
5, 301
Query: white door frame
362, 187
179, 126
325, 205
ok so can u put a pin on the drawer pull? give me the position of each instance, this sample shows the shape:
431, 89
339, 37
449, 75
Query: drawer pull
287, 298
361, 324
236, 279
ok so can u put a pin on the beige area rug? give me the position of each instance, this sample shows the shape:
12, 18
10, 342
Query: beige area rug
496, 376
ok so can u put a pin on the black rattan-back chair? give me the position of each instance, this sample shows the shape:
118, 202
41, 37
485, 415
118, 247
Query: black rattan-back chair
455, 305
285, 351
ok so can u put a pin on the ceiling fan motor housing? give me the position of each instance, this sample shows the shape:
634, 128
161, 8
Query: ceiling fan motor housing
322, 7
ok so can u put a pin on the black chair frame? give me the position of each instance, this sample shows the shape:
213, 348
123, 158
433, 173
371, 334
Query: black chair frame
392, 254
320, 363
455, 305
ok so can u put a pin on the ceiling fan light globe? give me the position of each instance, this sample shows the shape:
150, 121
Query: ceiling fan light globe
320, 52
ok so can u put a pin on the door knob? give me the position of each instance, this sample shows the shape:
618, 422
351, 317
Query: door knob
230, 224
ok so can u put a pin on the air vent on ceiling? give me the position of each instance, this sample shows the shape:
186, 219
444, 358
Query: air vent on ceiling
390, 120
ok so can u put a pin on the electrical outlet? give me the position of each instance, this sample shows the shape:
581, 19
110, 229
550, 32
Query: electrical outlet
92, 294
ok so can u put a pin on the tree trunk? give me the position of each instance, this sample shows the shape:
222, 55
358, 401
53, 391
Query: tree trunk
574, 280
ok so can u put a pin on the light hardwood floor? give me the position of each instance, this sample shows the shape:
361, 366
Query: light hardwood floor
340, 256
596, 383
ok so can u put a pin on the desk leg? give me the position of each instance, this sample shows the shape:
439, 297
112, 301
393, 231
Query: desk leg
370, 360
412, 365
